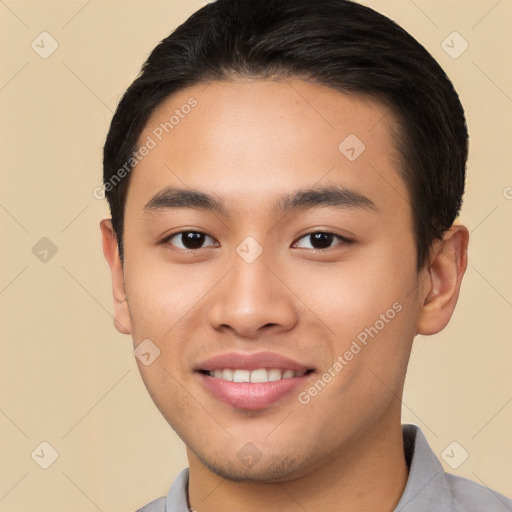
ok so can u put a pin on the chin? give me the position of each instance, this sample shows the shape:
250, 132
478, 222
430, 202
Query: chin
262, 468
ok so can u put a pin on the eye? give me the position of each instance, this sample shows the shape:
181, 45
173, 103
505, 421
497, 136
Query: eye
320, 240
190, 240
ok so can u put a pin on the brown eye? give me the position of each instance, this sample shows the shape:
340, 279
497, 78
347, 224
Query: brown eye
190, 240
320, 240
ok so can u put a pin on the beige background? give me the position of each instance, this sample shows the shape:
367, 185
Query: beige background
68, 378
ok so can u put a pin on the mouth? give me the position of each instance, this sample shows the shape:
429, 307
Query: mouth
252, 381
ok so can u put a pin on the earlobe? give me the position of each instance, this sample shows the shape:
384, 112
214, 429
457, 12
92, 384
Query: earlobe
441, 285
111, 251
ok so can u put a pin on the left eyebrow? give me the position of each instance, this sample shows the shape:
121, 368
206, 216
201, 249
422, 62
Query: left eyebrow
334, 195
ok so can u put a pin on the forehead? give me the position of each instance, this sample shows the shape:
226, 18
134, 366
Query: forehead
254, 140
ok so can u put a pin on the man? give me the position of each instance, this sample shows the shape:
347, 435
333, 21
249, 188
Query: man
283, 179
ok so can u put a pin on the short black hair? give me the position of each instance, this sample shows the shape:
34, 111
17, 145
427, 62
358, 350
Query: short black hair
337, 43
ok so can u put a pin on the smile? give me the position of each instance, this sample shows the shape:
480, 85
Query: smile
255, 376
252, 381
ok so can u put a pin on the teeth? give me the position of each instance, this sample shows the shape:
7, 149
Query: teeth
259, 375
242, 376
274, 374
227, 375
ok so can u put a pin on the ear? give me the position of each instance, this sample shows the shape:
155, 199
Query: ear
442, 280
111, 251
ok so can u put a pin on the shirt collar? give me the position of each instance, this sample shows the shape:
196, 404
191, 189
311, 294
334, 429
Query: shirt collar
423, 490
177, 498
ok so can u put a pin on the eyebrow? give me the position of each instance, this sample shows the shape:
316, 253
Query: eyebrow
334, 195
172, 197
303, 199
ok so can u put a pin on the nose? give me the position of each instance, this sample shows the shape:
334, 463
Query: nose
251, 300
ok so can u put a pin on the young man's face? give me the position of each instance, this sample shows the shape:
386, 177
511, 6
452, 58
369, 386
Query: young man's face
305, 303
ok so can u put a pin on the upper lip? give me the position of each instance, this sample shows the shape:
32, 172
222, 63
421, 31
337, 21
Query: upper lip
248, 361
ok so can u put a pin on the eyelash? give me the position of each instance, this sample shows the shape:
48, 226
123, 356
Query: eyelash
342, 239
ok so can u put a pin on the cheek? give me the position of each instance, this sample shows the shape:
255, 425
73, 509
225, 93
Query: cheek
161, 295
369, 307
352, 295
166, 389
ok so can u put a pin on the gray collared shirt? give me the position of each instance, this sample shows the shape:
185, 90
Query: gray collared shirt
428, 489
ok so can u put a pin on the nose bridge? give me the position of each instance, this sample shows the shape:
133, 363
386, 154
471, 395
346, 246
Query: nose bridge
252, 297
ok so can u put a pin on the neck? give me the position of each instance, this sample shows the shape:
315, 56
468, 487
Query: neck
370, 473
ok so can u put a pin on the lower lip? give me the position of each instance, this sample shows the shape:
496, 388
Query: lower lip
252, 396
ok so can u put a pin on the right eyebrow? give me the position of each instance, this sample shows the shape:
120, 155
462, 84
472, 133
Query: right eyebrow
172, 197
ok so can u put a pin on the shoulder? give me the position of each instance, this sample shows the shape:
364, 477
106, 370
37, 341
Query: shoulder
469, 496
430, 488
157, 505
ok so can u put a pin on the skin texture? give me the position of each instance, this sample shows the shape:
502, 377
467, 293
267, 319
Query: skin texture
248, 143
